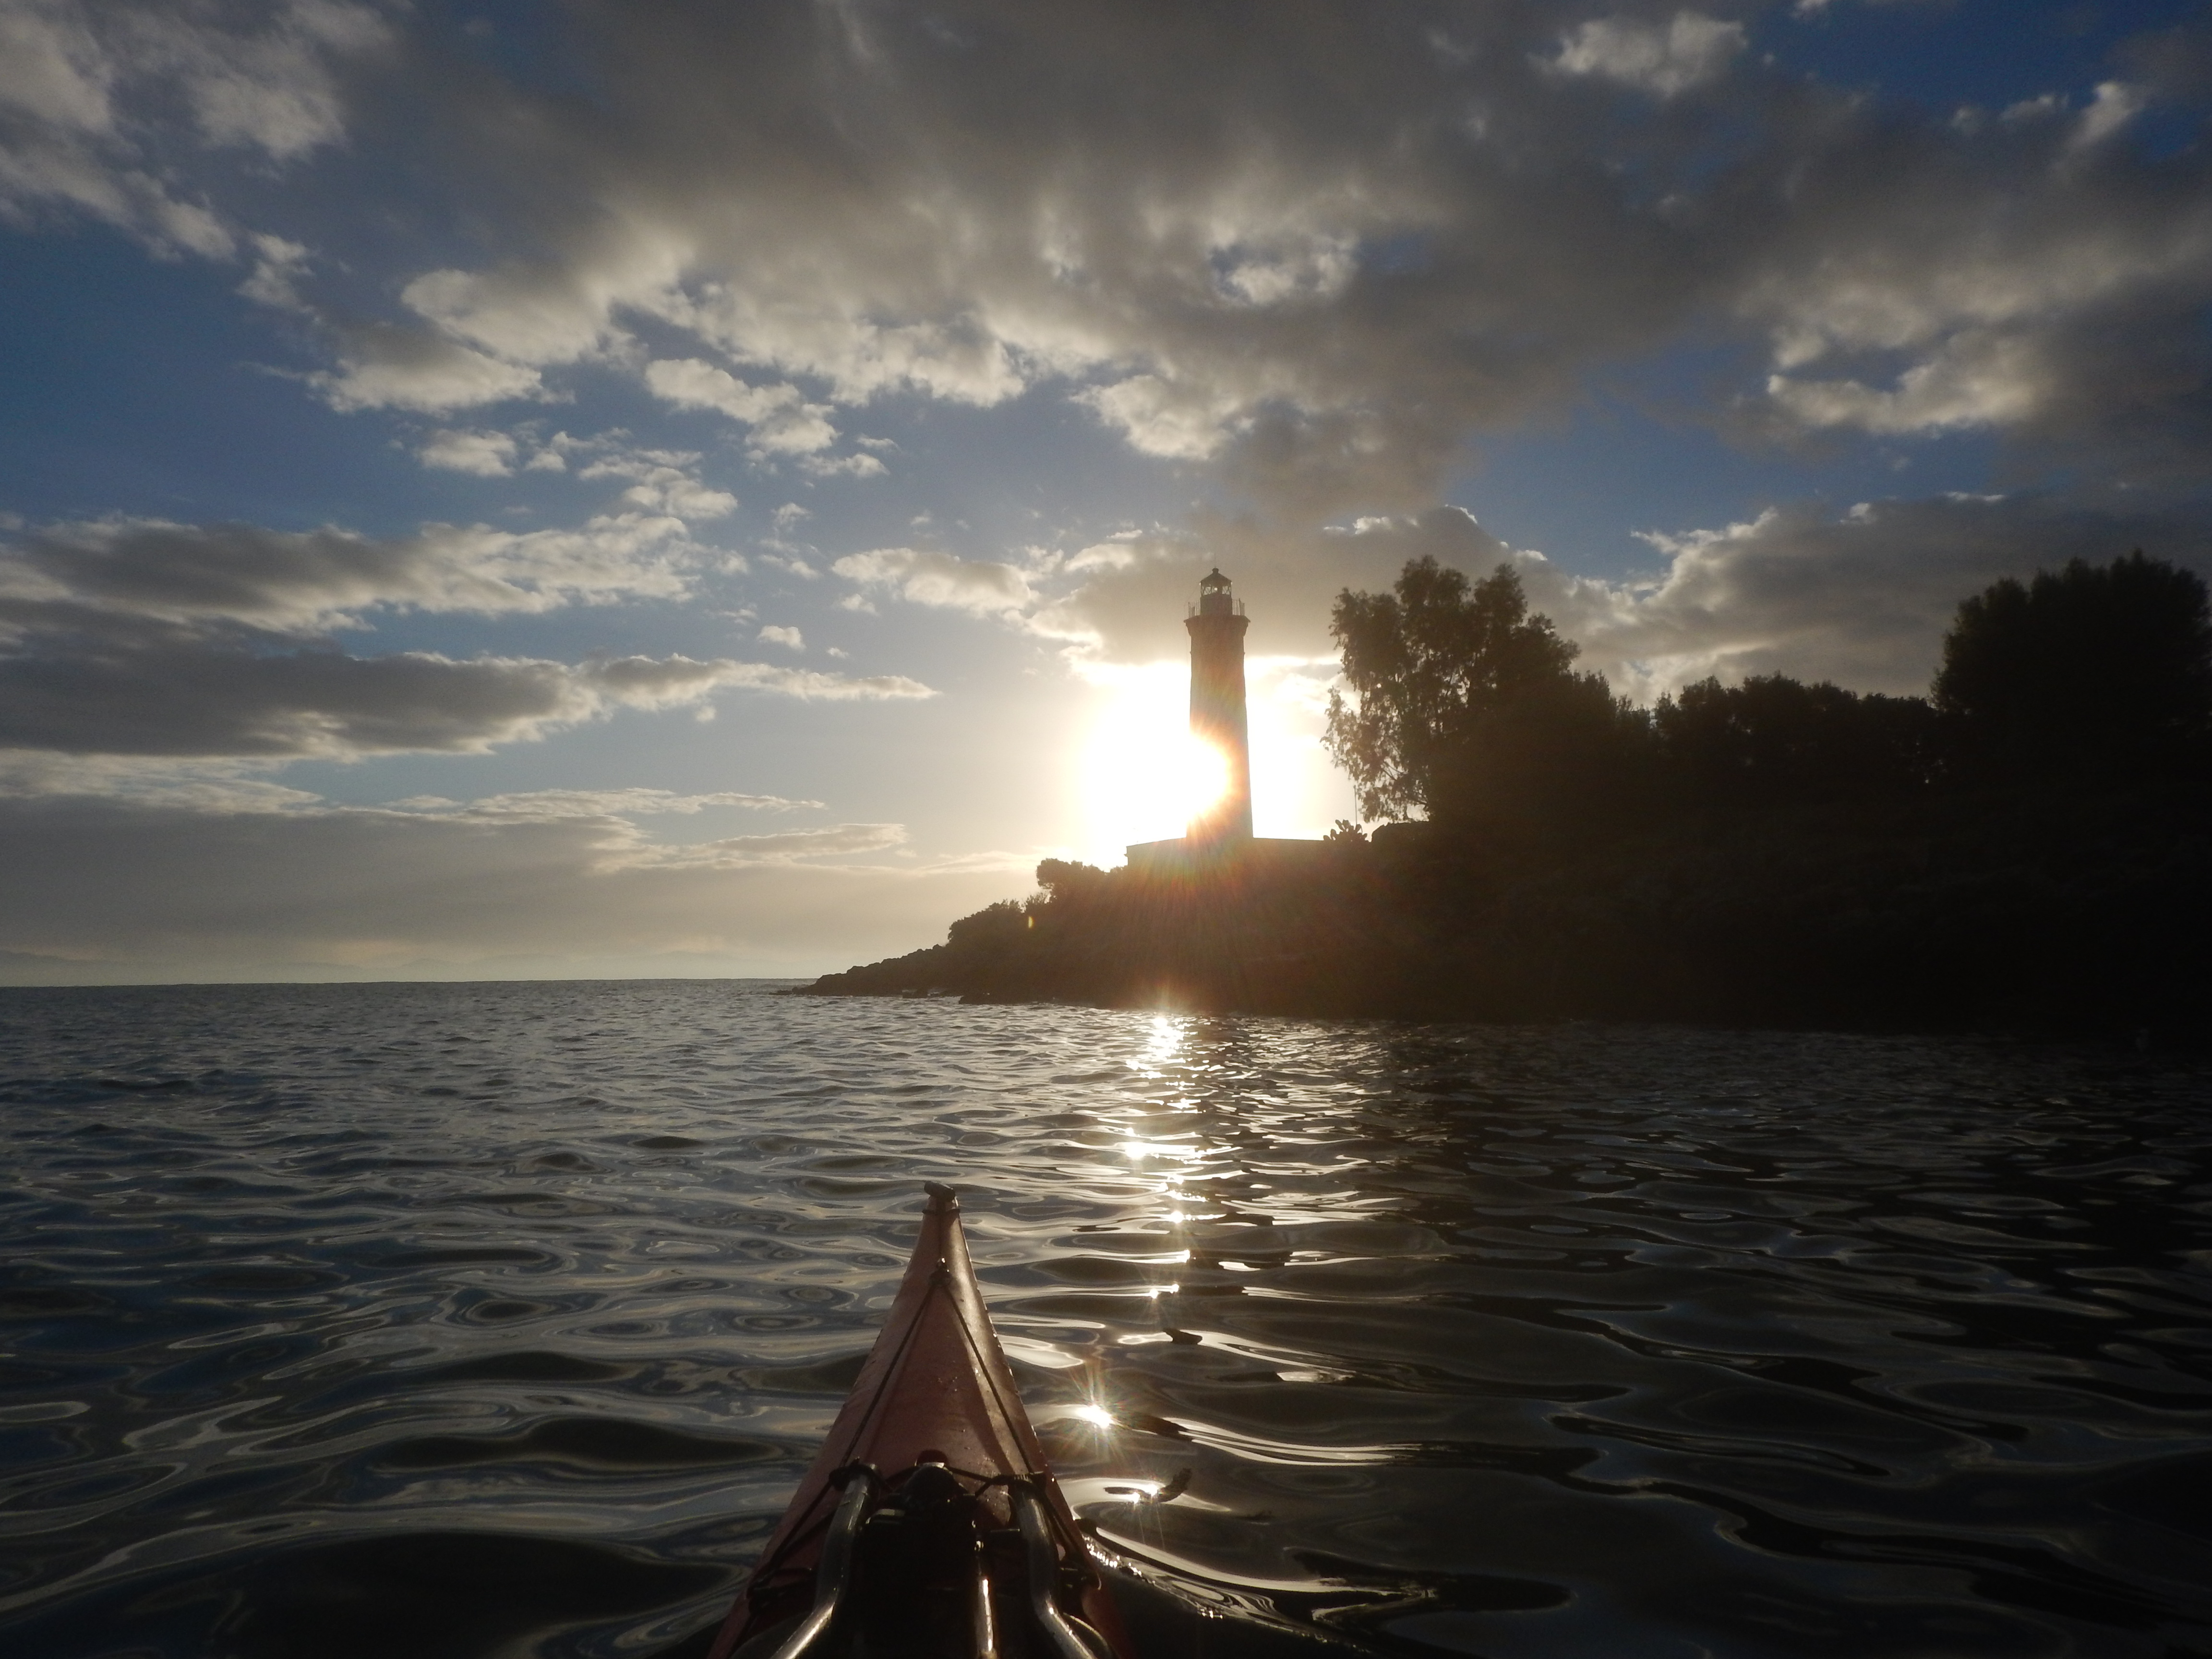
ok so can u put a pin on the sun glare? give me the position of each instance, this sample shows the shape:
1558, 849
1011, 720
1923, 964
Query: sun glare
1145, 777
1142, 777
1205, 776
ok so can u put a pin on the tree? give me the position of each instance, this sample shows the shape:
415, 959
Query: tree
993, 927
1427, 664
1773, 740
1065, 879
2094, 667
1559, 764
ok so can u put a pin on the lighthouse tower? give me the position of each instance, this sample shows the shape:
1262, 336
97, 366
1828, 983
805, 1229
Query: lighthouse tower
1217, 706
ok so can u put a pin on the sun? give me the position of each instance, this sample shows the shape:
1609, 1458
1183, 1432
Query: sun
1135, 773
1143, 776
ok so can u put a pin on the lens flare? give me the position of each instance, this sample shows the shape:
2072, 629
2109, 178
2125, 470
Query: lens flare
1144, 776
1204, 777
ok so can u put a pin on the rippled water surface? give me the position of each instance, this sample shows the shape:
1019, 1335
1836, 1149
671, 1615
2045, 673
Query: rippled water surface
500, 1320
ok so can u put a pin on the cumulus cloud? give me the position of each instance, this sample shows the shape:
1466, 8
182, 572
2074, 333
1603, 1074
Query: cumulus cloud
978, 587
390, 366
486, 455
1973, 380
783, 422
1175, 420
1315, 281
100, 103
1667, 59
1321, 292
1861, 598
1266, 265
664, 481
2005, 280
790, 638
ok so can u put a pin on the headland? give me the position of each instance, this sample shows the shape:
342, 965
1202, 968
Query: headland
2029, 847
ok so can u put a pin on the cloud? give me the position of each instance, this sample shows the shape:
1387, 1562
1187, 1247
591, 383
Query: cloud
789, 638
664, 481
1177, 421
783, 422
1667, 59
597, 803
190, 783
739, 852
2004, 280
66, 576
390, 366
129, 636
161, 695
978, 587
102, 104
1266, 266
1863, 598
486, 455
153, 692
1975, 379
2114, 104
271, 89
654, 683
841, 466
1136, 589
93, 888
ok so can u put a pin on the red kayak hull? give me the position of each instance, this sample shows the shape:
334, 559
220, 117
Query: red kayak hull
935, 1386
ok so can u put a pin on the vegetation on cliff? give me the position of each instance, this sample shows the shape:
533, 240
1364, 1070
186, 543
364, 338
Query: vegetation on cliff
2030, 845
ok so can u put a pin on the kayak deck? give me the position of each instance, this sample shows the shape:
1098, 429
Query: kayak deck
929, 1523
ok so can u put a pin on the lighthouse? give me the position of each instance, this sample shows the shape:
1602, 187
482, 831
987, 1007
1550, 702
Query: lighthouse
1220, 845
1216, 708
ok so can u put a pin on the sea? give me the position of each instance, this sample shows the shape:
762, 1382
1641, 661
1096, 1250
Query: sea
478, 1321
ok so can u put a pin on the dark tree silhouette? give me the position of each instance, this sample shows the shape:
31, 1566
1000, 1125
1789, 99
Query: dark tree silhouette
1428, 663
1065, 879
1556, 763
1773, 740
993, 926
2099, 667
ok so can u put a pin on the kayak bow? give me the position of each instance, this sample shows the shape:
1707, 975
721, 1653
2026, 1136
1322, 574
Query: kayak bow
929, 1524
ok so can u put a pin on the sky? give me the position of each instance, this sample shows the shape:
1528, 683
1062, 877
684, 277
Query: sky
677, 487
